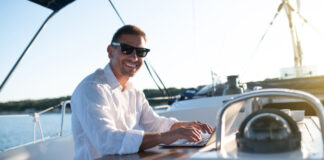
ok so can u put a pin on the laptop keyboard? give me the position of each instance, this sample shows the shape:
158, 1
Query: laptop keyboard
203, 141
183, 142
204, 137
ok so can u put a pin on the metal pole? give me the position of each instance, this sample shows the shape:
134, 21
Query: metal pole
41, 129
63, 115
295, 40
35, 121
26, 49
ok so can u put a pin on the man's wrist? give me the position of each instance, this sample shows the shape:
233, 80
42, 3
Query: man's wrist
161, 137
175, 125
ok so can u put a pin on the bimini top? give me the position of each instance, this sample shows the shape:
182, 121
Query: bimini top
54, 5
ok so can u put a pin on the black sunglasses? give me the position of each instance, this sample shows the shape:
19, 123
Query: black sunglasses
128, 49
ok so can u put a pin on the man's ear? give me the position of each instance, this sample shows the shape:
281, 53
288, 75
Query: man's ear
110, 51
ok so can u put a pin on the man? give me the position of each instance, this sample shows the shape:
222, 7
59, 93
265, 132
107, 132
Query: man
110, 116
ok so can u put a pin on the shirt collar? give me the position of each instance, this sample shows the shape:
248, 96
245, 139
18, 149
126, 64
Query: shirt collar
112, 80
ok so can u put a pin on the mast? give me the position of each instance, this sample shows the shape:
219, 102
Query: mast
295, 39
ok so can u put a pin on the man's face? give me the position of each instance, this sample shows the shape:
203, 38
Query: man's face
125, 66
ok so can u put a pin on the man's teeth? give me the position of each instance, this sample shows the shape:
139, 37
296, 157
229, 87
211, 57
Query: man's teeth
130, 65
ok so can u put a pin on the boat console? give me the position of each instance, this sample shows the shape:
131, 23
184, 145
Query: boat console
272, 127
245, 129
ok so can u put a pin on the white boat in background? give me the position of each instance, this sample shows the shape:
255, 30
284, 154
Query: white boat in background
227, 112
204, 108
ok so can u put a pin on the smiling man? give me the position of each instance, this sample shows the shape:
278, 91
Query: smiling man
111, 116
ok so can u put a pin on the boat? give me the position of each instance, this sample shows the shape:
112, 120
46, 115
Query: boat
299, 77
243, 123
212, 109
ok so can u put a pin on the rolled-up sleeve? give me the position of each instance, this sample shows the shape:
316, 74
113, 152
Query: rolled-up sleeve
94, 114
151, 122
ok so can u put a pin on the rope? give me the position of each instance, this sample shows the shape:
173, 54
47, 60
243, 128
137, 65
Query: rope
311, 25
261, 40
148, 69
165, 92
121, 19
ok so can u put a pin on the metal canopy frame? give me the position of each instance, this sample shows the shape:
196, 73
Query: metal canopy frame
54, 5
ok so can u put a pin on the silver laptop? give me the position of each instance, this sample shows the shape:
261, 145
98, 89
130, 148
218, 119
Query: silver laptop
206, 140
230, 119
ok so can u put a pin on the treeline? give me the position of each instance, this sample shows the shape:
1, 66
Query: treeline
31, 105
151, 93
39, 105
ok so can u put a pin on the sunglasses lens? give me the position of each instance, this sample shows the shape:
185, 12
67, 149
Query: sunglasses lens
126, 49
141, 52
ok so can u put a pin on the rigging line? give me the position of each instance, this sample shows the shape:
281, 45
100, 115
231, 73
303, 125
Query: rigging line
153, 78
311, 25
121, 19
244, 69
271, 23
163, 92
26, 49
167, 93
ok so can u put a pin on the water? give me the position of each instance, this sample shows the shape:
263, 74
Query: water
19, 130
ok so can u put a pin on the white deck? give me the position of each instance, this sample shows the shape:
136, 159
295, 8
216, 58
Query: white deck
311, 146
60, 148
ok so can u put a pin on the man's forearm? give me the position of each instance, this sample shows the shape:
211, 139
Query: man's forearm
150, 140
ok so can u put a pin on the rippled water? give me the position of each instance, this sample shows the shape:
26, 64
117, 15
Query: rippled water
19, 130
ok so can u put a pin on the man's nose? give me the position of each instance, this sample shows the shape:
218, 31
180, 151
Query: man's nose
134, 55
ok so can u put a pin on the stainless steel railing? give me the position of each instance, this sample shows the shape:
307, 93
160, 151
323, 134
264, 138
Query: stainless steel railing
314, 103
36, 119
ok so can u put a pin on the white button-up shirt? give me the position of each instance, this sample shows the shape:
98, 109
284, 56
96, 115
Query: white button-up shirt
107, 120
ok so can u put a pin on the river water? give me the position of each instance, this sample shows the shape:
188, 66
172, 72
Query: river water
19, 130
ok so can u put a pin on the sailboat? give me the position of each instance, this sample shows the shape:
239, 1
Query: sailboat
299, 77
210, 110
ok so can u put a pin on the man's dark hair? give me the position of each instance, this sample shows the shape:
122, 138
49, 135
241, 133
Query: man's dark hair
128, 29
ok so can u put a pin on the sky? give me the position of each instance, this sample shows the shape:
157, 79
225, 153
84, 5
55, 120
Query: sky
188, 39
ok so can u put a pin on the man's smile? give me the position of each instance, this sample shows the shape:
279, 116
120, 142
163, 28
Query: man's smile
131, 65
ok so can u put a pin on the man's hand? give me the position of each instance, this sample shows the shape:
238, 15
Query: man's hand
181, 130
204, 127
189, 133
186, 130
